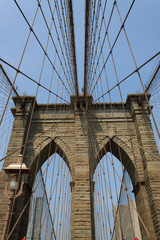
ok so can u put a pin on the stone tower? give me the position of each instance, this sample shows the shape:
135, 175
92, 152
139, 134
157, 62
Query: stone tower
82, 135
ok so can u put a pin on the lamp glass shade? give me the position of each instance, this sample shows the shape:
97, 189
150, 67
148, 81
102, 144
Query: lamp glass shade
13, 185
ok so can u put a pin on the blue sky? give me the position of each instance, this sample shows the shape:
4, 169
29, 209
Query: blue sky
142, 28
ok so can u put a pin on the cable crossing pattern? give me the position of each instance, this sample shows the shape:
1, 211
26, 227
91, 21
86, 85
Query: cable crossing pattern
79, 164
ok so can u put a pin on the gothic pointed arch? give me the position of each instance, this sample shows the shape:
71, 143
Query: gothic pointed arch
47, 148
122, 151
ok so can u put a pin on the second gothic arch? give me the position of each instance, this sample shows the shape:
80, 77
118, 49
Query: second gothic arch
122, 151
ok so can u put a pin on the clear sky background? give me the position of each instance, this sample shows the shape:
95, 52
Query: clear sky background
142, 27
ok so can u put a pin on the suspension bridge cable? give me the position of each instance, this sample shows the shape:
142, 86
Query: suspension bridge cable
40, 44
53, 42
96, 44
67, 62
113, 45
96, 50
124, 79
124, 189
20, 62
39, 84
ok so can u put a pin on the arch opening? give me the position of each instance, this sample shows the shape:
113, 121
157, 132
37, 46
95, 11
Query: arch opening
114, 147
115, 212
44, 151
50, 206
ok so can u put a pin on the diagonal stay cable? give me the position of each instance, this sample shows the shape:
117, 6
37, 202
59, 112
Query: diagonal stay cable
89, 33
128, 76
39, 84
123, 185
60, 44
19, 65
92, 41
28, 201
86, 47
149, 85
130, 140
40, 44
51, 36
8, 80
64, 33
113, 45
96, 49
73, 46
139, 75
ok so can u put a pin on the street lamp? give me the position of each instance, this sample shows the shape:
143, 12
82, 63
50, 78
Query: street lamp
13, 171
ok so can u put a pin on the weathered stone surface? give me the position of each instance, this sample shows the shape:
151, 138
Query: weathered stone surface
82, 136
